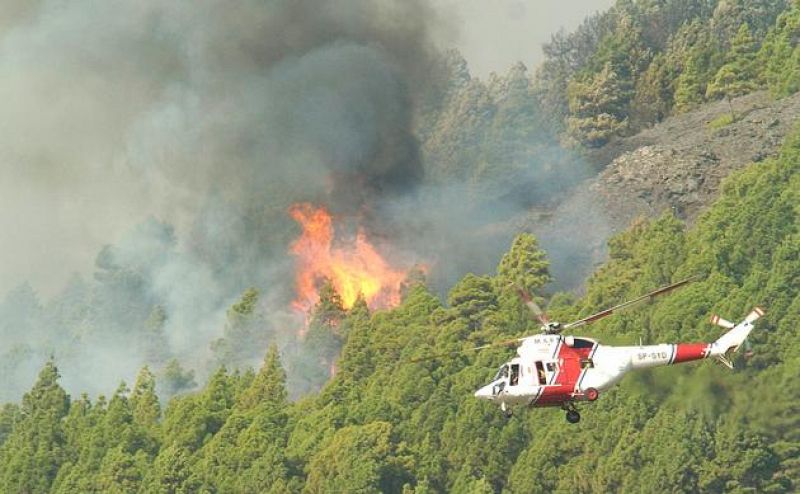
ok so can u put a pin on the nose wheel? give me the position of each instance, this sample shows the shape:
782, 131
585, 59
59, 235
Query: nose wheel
573, 416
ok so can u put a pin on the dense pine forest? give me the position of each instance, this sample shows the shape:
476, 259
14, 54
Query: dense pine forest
385, 423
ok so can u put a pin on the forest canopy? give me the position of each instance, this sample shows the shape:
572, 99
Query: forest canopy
385, 423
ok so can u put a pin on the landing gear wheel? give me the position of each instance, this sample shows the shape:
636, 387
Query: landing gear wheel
509, 413
573, 417
592, 394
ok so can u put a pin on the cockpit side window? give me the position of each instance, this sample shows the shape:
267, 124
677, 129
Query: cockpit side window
501, 373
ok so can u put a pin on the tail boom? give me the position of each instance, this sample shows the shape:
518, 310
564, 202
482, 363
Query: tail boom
686, 352
668, 354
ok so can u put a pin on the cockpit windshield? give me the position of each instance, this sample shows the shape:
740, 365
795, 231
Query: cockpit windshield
501, 373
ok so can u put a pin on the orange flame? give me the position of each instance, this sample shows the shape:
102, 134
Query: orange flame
356, 270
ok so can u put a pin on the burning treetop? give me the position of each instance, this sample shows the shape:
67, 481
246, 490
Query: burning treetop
354, 268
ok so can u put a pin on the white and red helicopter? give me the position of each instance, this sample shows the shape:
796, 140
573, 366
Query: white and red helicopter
551, 369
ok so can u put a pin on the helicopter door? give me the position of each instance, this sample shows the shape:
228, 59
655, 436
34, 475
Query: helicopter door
514, 374
540, 373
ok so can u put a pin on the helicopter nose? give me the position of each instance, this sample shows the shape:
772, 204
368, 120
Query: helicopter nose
485, 393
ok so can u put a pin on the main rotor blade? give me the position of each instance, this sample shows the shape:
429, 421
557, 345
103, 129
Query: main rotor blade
644, 298
533, 306
455, 353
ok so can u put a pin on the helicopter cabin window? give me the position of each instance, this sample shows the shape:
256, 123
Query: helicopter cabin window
551, 367
587, 363
501, 373
582, 343
514, 374
540, 373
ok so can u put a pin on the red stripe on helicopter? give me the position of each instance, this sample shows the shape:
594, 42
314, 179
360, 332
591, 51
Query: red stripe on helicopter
568, 377
690, 351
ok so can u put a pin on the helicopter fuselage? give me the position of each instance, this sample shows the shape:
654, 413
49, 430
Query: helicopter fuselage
557, 370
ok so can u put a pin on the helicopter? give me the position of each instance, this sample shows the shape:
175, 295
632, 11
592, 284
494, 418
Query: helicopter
556, 370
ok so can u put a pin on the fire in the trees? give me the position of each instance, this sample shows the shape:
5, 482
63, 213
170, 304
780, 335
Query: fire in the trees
353, 268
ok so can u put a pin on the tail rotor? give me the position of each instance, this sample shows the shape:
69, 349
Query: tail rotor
754, 315
715, 319
736, 337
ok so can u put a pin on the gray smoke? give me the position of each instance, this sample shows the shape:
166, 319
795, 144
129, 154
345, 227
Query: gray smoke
179, 133
212, 117
117, 108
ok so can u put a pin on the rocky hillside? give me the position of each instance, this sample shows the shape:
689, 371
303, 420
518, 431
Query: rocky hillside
680, 163
676, 165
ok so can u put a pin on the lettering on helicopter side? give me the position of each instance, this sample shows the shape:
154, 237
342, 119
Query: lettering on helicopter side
652, 356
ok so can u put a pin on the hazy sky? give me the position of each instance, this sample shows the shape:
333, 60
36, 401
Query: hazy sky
494, 34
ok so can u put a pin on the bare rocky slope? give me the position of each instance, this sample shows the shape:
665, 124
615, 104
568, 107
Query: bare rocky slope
675, 165
679, 163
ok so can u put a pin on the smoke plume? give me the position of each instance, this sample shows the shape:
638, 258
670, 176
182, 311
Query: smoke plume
177, 135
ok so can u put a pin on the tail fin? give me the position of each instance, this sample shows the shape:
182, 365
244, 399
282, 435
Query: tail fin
730, 342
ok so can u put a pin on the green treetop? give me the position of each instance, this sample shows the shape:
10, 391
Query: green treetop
739, 75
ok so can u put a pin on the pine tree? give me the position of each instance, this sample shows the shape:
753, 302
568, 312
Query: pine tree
653, 96
10, 415
155, 340
146, 409
741, 462
329, 310
34, 451
248, 451
598, 107
356, 459
323, 340
174, 379
688, 89
192, 420
739, 74
473, 298
171, 473
244, 334
269, 385
525, 265
780, 54
121, 472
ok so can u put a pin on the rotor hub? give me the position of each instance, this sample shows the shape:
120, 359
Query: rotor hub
551, 328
